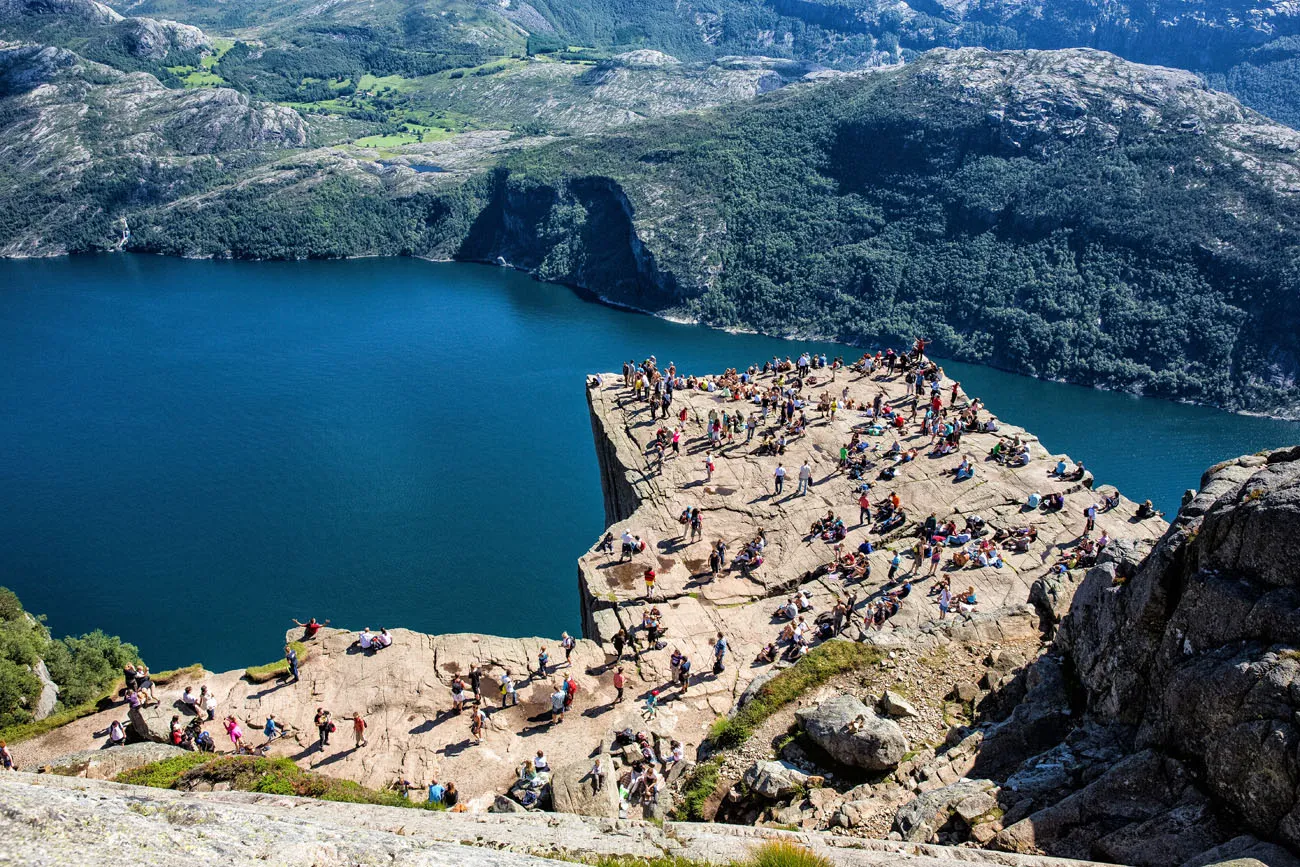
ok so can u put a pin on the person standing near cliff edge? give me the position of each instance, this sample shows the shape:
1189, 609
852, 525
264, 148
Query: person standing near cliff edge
291, 657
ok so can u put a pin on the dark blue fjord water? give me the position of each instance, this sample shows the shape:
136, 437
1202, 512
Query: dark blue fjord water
193, 452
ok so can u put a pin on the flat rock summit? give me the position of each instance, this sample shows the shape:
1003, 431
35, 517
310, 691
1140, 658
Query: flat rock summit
1135, 705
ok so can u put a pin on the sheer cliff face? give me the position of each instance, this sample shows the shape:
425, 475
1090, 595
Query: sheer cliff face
1198, 645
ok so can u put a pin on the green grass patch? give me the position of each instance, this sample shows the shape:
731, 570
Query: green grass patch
272, 670
164, 774
270, 776
697, 790
820, 665
203, 78
163, 678
416, 135
786, 853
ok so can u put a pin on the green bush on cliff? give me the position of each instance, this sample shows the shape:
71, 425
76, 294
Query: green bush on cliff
820, 665
83, 668
279, 776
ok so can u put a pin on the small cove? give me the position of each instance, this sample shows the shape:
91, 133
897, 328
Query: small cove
196, 451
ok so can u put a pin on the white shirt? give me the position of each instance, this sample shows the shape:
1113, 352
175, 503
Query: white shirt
365, 640
628, 538
780, 472
805, 472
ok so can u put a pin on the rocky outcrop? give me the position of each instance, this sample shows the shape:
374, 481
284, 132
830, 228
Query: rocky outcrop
106, 764
152, 722
573, 790
852, 733
1163, 720
970, 801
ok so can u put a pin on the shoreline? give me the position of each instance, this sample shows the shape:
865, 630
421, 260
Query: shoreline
594, 296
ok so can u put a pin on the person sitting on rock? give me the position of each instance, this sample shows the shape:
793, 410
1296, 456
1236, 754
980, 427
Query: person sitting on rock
366, 640
311, 627
116, 734
191, 701
767, 655
382, 640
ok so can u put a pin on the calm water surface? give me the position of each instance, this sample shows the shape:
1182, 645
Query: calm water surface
194, 452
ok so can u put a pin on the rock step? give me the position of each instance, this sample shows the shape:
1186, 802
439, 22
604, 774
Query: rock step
49, 819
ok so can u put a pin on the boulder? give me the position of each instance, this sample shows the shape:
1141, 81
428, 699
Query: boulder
572, 790
153, 722
506, 804
105, 764
775, 780
919, 820
851, 733
895, 705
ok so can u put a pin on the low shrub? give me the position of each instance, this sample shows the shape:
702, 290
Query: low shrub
820, 665
785, 853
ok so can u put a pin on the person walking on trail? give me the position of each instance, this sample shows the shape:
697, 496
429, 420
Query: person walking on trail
620, 681
649, 581
359, 725
652, 704
476, 723
291, 657
324, 726
708, 468
779, 475
805, 478
697, 524
720, 649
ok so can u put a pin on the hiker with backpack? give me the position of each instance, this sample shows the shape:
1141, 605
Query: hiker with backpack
324, 726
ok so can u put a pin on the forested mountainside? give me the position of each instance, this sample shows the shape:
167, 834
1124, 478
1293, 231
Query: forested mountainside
1066, 214
1250, 48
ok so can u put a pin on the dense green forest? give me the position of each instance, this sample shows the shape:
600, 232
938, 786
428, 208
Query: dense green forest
1063, 233
82, 667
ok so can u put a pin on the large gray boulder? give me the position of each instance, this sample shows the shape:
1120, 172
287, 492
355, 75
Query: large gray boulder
774, 780
852, 734
573, 791
154, 722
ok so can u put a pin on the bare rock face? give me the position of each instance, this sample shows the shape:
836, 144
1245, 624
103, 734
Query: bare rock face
1187, 662
573, 790
852, 733
153, 39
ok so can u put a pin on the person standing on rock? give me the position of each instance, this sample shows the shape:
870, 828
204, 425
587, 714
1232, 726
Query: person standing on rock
620, 641
542, 659
1090, 519
805, 479
324, 725
235, 732
684, 673
568, 643
508, 693
7, 758
720, 648
864, 509
557, 706
697, 524
779, 476
476, 722
708, 468
359, 725
649, 576
620, 681
291, 657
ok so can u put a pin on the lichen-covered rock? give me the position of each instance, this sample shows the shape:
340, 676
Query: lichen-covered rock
852, 733
774, 780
